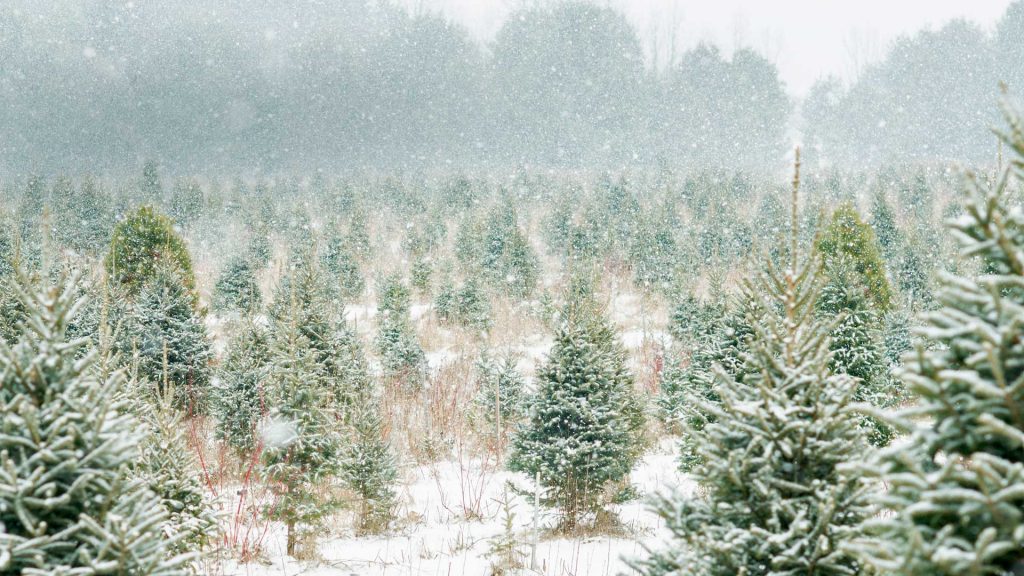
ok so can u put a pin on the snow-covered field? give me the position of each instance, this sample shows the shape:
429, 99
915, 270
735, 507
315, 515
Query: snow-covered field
452, 511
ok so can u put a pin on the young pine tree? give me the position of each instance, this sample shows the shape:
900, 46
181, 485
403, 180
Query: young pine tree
162, 320
167, 465
583, 433
368, 468
68, 502
237, 287
141, 244
303, 446
239, 396
954, 502
772, 498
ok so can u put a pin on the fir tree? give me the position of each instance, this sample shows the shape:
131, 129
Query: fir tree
467, 306
239, 397
954, 499
237, 287
369, 469
162, 321
168, 466
143, 242
583, 434
847, 239
772, 498
68, 503
303, 446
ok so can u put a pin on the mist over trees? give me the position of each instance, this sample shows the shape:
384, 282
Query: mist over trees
292, 85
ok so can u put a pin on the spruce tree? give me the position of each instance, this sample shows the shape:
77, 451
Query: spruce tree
954, 498
162, 323
239, 396
167, 464
303, 445
237, 287
68, 502
857, 347
142, 243
369, 469
583, 433
772, 498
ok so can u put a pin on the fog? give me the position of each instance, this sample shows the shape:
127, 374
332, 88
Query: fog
212, 86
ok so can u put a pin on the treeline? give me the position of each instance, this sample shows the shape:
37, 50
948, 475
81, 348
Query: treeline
932, 98
207, 86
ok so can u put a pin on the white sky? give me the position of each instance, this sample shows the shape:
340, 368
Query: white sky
807, 39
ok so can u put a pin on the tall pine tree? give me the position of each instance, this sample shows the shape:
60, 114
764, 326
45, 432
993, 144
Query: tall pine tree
954, 502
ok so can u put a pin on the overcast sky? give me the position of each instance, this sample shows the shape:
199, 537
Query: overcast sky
806, 38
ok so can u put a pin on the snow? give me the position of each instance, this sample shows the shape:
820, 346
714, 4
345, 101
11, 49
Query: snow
451, 509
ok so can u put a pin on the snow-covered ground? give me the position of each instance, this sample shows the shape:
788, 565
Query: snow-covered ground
450, 513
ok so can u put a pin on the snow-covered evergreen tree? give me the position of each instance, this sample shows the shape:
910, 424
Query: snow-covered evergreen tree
954, 498
772, 498
369, 469
167, 464
239, 396
237, 287
857, 348
302, 441
467, 306
162, 320
501, 393
68, 502
583, 433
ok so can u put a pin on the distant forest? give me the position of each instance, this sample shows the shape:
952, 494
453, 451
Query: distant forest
208, 87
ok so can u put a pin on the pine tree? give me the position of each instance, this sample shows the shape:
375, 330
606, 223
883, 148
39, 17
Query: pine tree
583, 434
773, 499
467, 306
239, 396
847, 239
168, 467
237, 287
339, 261
68, 503
162, 318
857, 349
143, 242
368, 468
303, 447
954, 499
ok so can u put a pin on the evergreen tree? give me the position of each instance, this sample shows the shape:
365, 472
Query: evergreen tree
303, 447
237, 287
162, 323
186, 202
847, 239
501, 393
339, 261
168, 466
954, 499
883, 222
152, 192
467, 306
68, 503
773, 499
143, 242
583, 434
857, 348
239, 397
369, 469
